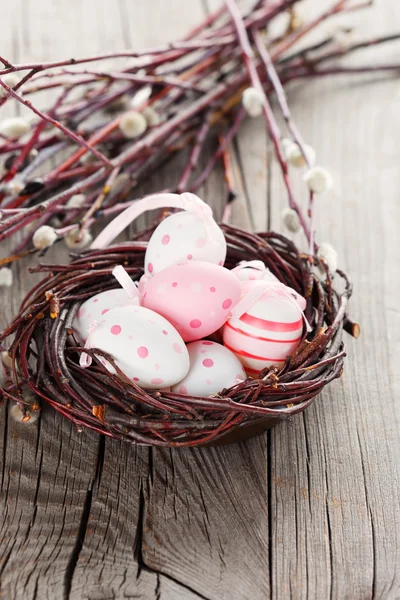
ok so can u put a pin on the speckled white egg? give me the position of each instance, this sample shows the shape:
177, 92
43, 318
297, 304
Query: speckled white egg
144, 345
212, 369
184, 236
95, 307
196, 297
266, 334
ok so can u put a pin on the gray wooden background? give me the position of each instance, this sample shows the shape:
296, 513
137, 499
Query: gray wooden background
308, 510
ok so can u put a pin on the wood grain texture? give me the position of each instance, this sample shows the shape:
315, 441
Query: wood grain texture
309, 510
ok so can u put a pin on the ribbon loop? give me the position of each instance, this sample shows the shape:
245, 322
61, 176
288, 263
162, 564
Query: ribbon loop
186, 201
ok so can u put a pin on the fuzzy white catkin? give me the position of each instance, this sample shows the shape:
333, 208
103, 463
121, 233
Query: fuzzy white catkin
14, 187
6, 359
76, 201
11, 79
253, 101
318, 179
44, 237
6, 277
329, 255
17, 415
14, 127
291, 220
132, 124
151, 115
295, 156
73, 241
141, 97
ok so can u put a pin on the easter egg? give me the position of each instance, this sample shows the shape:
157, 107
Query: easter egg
144, 346
267, 333
95, 307
195, 297
181, 237
212, 369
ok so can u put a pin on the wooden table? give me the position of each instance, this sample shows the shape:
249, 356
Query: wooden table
308, 510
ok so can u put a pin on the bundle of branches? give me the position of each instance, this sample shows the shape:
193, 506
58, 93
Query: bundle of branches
107, 130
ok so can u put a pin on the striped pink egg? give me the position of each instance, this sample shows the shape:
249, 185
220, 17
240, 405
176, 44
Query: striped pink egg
265, 335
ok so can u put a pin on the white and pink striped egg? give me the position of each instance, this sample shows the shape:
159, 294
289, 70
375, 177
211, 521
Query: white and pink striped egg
266, 334
184, 236
212, 369
94, 308
144, 345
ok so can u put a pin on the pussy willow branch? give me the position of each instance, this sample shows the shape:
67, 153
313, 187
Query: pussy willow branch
197, 88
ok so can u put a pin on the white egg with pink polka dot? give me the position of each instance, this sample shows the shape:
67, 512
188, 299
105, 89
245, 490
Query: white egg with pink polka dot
144, 345
212, 368
181, 237
93, 310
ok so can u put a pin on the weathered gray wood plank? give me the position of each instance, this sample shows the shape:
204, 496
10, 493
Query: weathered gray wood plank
335, 470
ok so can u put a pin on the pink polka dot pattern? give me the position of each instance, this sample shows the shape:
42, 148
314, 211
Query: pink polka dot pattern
201, 242
165, 239
95, 300
206, 343
182, 389
115, 329
103, 312
177, 347
156, 366
165, 332
189, 256
226, 303
142, 352
208, 382
157, 381
212, 289
195, 323
220, 263
174, 284
150, 267
136, 379
208, 362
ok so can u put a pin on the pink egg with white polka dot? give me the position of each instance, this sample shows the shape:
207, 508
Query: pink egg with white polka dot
181, 237
96, 307
196, 297
144, 345
212, 369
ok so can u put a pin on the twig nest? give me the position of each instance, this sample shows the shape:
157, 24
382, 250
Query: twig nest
328, 254
291, 220
318, 180
253, 101
76, 201
6, 277
10, 79
76, 239
44, 237
14, 127
295, 156
133, 124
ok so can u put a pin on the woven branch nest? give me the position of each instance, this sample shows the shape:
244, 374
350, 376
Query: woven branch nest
46, 357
